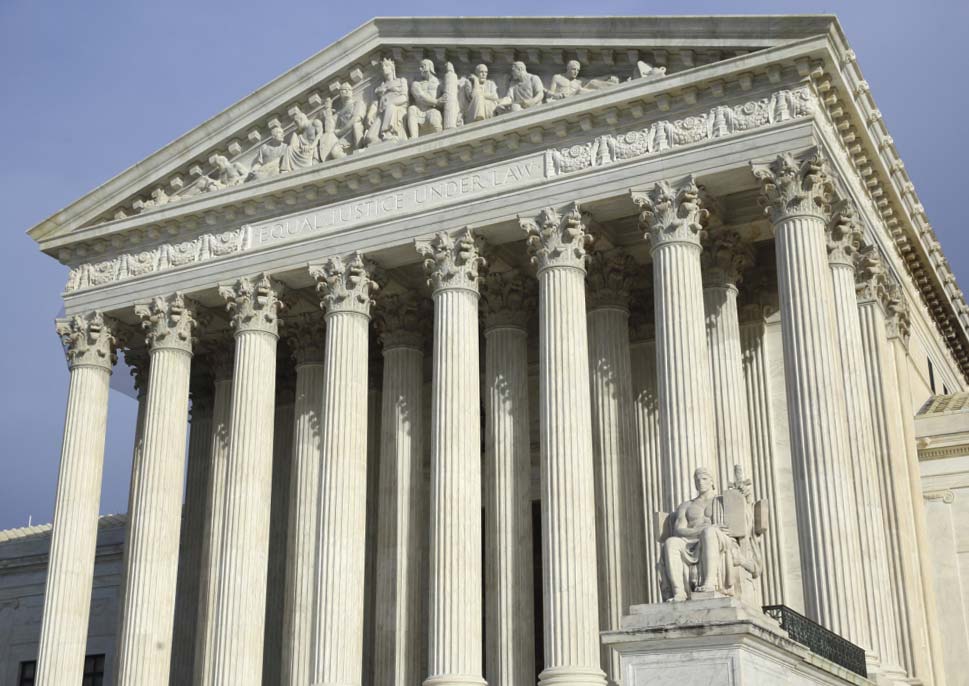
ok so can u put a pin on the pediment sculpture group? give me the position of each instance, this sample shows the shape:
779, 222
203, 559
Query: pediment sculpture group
713, 544
399, 111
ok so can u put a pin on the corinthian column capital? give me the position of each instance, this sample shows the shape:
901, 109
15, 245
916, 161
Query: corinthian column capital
871, 279
507, 299
671, 214
899, 320
795, 185
169, 322
346, 284
452, 261
557, 240
254, 304
88, 340
725, 257
401, 319
609, 278
304, 334
844, 235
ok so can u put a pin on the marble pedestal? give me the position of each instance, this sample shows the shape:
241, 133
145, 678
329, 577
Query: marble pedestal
715, 642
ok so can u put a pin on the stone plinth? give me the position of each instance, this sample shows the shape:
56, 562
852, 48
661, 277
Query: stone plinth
715, 642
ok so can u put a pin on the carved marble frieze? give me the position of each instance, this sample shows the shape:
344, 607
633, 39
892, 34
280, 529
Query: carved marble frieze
659, 136
719, 121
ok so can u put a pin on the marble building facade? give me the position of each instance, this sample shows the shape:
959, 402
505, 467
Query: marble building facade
447, 314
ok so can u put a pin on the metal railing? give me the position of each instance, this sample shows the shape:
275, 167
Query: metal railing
820, 641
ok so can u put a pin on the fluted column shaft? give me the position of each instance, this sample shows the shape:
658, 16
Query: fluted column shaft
90, 348
558, 245
338, 651
190, 542
307, 341
796, 191
401, 521
764, 465
672, 219
154, 518
898, 525
619, 498
876, 623
646, 417
211, 531
724, 257
509, 600
455, 604
240, 602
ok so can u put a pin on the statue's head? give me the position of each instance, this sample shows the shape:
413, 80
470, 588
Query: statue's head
346, 90
481, 71
426, 68
518, 71
388, 68
300, 119
572, 68
277, 133
220, 161
703, 480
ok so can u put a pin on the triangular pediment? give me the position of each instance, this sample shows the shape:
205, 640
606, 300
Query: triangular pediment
339, 104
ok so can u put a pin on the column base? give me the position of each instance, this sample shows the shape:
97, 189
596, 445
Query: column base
572, 676
454, 680
716, 642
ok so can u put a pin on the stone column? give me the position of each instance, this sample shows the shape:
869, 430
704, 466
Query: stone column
91, 354
508, 301
455, 604
724, 258
221, 359
619, 497
876, 623
673, 220
305, 336
881, 393
193, 518
345, 288
756, 367
240, 602
279, 519
642, 351
148, 610
796, 192
558, 246
401, 520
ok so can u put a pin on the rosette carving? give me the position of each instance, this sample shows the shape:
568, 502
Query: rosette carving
671, 214
508, 298
169, 322
88, 340
725, 257
844, 234
609, 278
346, 284
452, 260
401, 320
254, 304
793, 186
305, 334
557, 240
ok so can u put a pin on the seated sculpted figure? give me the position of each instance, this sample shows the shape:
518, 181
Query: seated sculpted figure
479, 95
385, 118
524, 90
713, 542
270, 155
349, 118
425, 92
569, 84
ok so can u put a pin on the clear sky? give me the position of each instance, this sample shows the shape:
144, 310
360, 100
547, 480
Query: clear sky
90, 88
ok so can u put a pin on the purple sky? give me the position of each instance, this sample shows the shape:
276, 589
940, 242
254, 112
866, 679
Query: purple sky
90, 88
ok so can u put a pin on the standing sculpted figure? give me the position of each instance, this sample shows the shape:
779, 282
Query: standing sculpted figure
425, 93
525, 90
350, 117
385, 118
713, 545
479, 95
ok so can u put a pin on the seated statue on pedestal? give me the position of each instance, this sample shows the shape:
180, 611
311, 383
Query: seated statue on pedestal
712, 544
